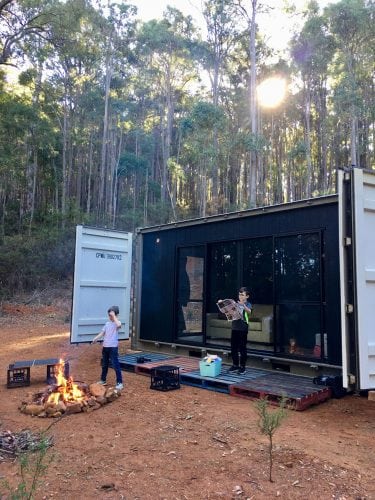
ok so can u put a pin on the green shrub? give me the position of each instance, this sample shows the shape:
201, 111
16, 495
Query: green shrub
269, 422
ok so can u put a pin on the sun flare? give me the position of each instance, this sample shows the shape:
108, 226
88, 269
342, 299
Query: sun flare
271, 92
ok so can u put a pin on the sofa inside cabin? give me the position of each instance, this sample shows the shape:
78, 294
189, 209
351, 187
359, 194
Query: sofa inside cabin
260, 325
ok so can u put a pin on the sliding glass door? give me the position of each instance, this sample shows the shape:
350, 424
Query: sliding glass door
190, 288
298, 296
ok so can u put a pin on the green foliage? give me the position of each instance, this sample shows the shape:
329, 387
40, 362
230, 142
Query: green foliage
108, 115
269, 422
130, 163
206, 116
33, 465
34, 262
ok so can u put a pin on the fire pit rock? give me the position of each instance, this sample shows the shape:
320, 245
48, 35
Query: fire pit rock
56, 401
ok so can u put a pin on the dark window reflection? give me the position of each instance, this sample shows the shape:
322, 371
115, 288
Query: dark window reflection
223, 273
299, 331
258, 269
297, 268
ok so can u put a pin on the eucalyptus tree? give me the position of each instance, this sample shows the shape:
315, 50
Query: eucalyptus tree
24, 128
199, 127
312, 51
250, 11
118, 31
91, 51
73, 62
223, 32
26, 32
20, 21
166, 49
351, 23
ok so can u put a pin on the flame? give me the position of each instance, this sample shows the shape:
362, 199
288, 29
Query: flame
66, 390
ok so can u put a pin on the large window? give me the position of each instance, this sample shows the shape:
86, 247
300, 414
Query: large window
258, 277
223, 279
258, 269
232, 265
298, 295
284, 276
297, 267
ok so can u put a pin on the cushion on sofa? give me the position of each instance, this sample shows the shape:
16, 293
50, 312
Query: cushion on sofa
220, 323
260, 324
255, 325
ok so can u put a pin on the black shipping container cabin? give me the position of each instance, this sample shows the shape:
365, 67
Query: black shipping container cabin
310, 266
287, 255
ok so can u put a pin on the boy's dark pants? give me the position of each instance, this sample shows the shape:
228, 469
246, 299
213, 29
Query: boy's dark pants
110, 354
238, 342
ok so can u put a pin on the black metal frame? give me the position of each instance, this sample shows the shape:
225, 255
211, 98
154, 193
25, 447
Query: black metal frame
277, 341
160, 280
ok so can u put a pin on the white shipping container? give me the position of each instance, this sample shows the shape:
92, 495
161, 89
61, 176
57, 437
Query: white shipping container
102, 278
358, 367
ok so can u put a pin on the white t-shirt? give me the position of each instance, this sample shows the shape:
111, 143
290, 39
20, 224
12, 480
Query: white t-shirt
110, 330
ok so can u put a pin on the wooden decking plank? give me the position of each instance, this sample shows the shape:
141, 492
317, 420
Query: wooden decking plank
184, 363
222, 382
299, 391
293, 389
255, 383
128, 361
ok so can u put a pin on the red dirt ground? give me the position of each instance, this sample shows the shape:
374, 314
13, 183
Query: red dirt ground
184, 444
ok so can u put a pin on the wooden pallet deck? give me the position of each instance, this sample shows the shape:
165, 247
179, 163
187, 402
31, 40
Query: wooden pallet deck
300, 392
184, 363
128, 362
222, 382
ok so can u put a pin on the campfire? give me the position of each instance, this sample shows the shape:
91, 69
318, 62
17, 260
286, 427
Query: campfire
65, 397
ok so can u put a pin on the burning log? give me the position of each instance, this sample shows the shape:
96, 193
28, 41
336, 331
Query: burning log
67, 397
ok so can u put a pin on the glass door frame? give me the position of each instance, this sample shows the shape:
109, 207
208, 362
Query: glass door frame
321, 303
176, 337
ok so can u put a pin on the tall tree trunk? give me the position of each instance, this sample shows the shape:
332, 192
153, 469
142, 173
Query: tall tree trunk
2, 218
323, 138
167, 141
89, 181
64, 159
115, 184
353, 138
307, 115
104, 151
251, 186
215, 98
33, 191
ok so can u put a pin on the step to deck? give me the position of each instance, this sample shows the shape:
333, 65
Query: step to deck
300, 392
128, 362
222, 382
183, 363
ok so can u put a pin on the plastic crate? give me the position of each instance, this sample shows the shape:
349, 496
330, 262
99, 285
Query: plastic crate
52, 371
212, 369
18, 377
165, 378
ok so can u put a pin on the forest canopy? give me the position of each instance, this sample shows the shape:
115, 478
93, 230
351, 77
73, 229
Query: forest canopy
110, 121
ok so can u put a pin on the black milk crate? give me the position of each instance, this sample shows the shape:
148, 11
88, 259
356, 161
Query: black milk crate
18, 377
165, 378
52, 371
18, 374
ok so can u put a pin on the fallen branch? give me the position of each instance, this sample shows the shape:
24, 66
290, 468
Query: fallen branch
216, 438
12, 444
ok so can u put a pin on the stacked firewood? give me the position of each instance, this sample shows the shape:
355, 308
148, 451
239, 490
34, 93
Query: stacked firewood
42, 405
14, 443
